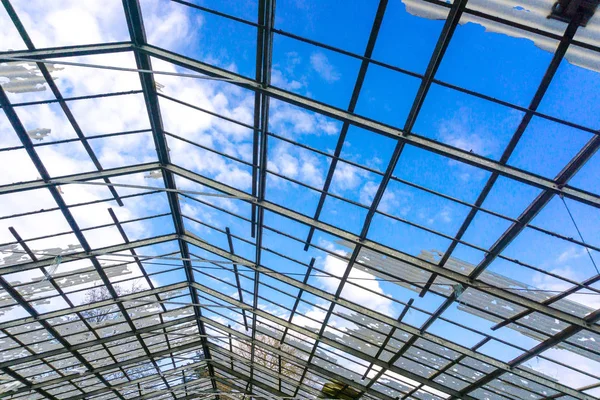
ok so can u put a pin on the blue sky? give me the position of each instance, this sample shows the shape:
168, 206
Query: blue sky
506, 68
496, 65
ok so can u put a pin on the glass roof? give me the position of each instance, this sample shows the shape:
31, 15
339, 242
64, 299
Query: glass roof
379, 200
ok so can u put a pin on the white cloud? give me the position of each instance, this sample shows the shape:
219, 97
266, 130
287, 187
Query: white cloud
393, 201
290, 121
68, 22
460, 131
280, 80
324, 68
296, 163
571, 253
443, 215
361, 281
347, 176
105, 22
169, 25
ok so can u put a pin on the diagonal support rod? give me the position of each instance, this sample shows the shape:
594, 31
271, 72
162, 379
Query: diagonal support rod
237, 276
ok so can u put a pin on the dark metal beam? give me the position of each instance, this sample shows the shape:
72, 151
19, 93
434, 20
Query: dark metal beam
18, 298
237, 276
386, 341
189, 346
362, 73
266, 19
67, 51
88, 254
389, 252
537, 205
86, 176
330, 342
137, 33
64, 297
529, 214
22, 134
377, 127
448, 29
370, 313
95, 342
26, 141
28, 385
447, 367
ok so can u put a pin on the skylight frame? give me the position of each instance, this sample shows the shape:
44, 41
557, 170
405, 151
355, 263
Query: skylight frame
263, 92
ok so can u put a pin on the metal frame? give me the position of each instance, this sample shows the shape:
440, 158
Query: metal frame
197, 326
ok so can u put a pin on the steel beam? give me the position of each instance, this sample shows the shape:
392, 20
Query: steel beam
63, 295
26, 141
387, 251
18, 298
386, 341
87, 307
447, 367
96, 342
67, 51
88, 254
411, 330
442, 44
362, 73
264, 48
86, 176
377, 127
162, 353
537, 205
330, 342
137, 33
237, 276
529, 214
333, 343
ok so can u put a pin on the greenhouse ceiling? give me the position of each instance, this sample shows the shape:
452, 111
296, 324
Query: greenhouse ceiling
299, 199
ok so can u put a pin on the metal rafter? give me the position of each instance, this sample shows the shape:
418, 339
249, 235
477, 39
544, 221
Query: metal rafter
365, 123
138, 37
86, 176
357, 248
362, 73
377, 127
532, 210
544, 197
371, 313
392, 253
263, 93
59, 290
26, 141
441, 46
264, 55
318, 370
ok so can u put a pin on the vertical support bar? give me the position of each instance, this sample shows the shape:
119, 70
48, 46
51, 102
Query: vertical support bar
266, 19
135, 24
237, 276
